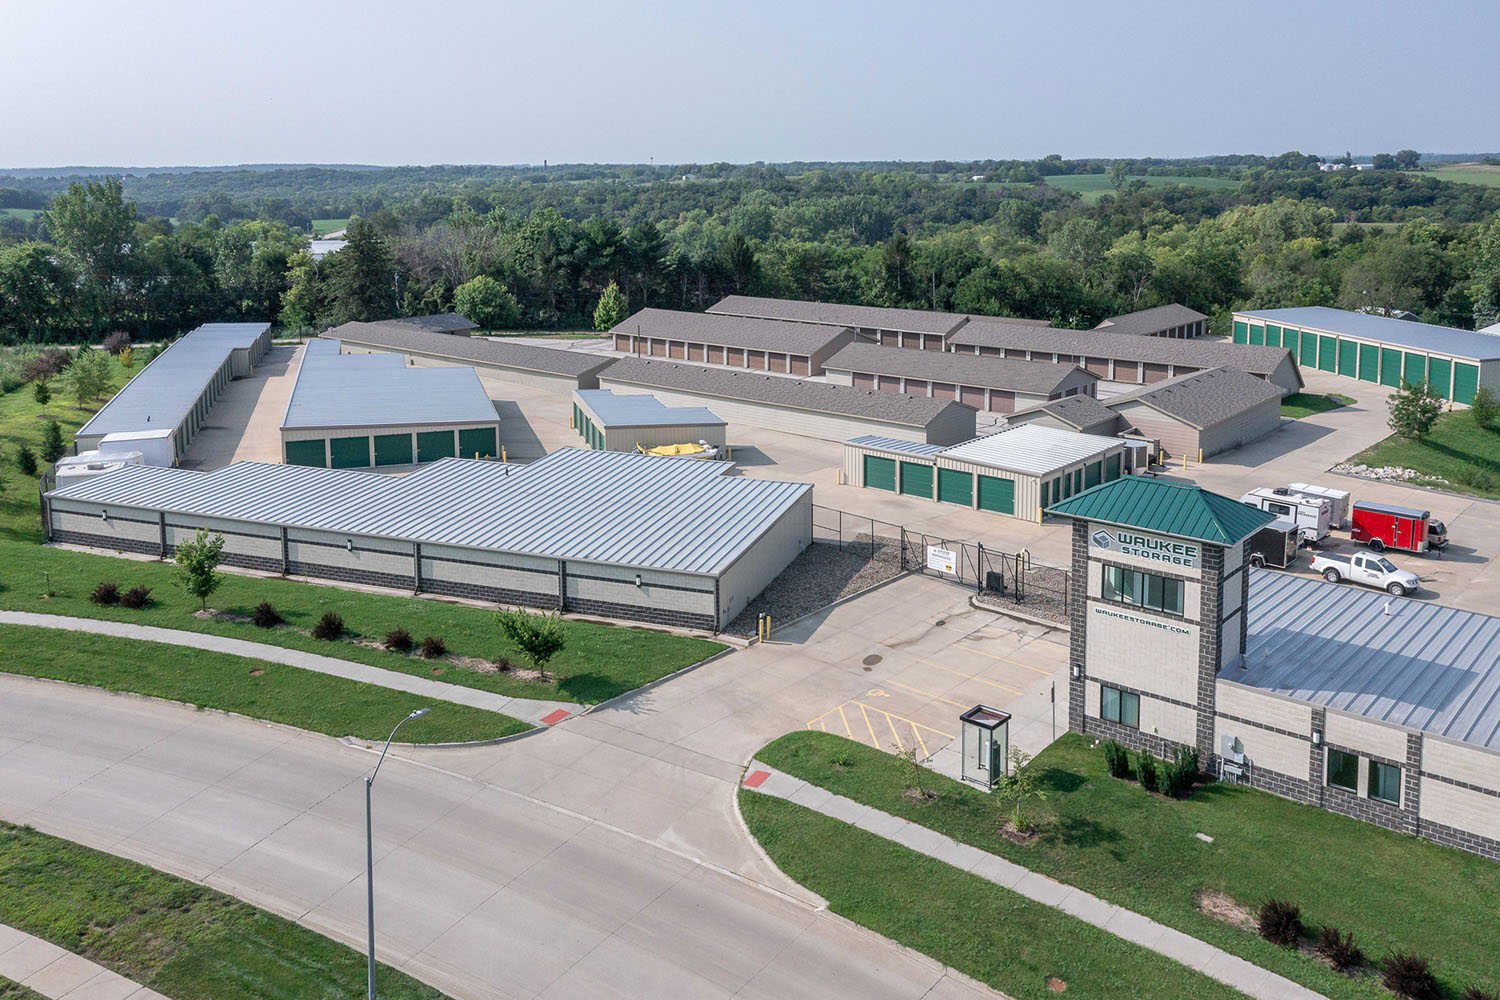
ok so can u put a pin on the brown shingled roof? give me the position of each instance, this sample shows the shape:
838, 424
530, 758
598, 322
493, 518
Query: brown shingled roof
1204, 398
1257, 360
1147, 322
731, 331
1040, 377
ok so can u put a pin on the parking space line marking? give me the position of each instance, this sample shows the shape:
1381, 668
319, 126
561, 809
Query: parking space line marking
847, 731
1005, 659
874, 741
894, 735
929, 694
918, 734
891, 718
972, 677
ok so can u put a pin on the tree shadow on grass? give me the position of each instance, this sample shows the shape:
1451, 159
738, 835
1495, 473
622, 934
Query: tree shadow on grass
587, 688
1083, 833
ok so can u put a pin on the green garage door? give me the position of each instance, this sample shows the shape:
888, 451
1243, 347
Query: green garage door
1390, 367
1112, 468
1465, 382
1257, 334
1440, 374
1092, 474
393, 449
916, 480
1273, 334
880, 473
998, 495
433, 445
350, 452
1414, 367
478, 441
1348, 358
313, 453
1291, 343
955, 487
1046, 494
1060, 489
1241, 332
1369, 363
1327, 354
1309, 353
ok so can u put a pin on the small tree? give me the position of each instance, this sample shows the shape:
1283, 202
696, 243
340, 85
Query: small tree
916, 762
127, 357
52, 442
198, 565
1022, 783
539, 637
116, 342
487, 302
42, 393
1485, 408
26, 461
88, 377
612, 310
1414, 409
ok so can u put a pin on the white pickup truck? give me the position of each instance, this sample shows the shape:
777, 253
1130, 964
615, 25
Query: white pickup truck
1367, 568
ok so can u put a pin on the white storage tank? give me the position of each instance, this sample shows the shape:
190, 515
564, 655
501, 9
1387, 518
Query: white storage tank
71, 469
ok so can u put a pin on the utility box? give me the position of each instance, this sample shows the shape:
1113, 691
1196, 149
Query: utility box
985, 736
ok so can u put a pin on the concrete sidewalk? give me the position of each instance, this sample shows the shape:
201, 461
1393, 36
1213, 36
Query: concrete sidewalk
1229, 969
533, 711
58, 973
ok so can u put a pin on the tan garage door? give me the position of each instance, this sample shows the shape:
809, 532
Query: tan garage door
622, 341
972, 395
864, 380
678, 350
1015, 354
695, 352
1097, 366
658, 348
756, 360
1002, 402
889, 383
734, 356
715, 355
776, 362
1155, 372
944, 390
801, 366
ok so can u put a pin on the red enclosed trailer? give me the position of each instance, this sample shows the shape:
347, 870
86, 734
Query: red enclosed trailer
1383, 526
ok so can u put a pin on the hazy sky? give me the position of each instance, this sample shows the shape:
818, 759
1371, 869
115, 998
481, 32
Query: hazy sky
164, 82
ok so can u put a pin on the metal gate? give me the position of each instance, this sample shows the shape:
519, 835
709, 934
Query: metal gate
1011, 576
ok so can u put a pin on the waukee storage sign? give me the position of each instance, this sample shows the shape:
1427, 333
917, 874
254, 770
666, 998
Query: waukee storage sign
1141, 545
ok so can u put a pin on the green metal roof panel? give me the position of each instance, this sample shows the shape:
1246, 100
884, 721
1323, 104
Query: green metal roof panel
1179, 509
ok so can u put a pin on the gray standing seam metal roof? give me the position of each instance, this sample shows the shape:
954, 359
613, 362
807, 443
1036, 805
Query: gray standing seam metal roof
837, 314
379, 390
163, 393
1203, 398
878, 443
1426, 667
1040, 377
591, 506
1080, 410
731, 331
1146, 322
1256, 359
780, 390
636, 410
473, 350
1032, 450
1401, 332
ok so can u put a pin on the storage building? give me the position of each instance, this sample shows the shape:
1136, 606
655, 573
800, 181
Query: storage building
611, 422
353, 411
548, 368
917, 328
738, 341
1173, 321
1201, 414
180, 385
592, 532
994, 384
796, 406
453, 323
1118, 358
1017, 471
1377, 348
1082, 414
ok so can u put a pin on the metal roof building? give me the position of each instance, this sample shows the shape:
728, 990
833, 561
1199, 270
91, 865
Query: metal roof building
1377, 349
1017, 471
627, 536
541, 367
778, 402
352, 411
611, 422
986, 383
737, 341
180, 385
1121, 358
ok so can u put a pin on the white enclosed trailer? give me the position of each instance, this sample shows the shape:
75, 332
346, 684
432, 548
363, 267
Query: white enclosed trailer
1338, 500
1312, 515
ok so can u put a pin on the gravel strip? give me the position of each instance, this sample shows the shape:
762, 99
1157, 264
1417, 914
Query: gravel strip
821, 575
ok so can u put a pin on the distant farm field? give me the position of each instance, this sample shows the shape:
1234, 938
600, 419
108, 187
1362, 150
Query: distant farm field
322, 227
19, 213
1095, 186
1466, 173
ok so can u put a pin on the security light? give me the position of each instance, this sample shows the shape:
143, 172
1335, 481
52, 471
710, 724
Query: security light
349, 544
638, 579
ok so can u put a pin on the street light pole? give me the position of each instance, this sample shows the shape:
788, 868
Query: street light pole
370, 845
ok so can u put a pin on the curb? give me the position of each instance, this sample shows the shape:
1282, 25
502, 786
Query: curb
739, 817
1415, 486
1011, 613
650, 685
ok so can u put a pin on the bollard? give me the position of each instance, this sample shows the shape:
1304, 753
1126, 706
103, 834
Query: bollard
1200, 456
840, 480
502, 453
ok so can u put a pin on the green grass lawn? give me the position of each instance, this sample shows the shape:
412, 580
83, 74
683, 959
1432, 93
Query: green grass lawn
1140, 851
321, 227
985, 931
1095, 186
183, 940
255, 688
19, 213
600, 661
1464, 173
11, 990
1458, 451
1305, 404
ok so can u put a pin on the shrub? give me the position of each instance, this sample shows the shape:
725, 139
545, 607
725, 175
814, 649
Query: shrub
329, 627
1475, 478
1475, 993
1145, 770
26, 461
105, 594
1116, 759
1339, 949
46, 364
266, 615
136, 598
1280, 922
1410, 976
116, 342
53, 447
398, 640
1176, 775
433, 646
504, 665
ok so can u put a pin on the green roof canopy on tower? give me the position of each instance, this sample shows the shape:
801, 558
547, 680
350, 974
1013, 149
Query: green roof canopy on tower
1179, 509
